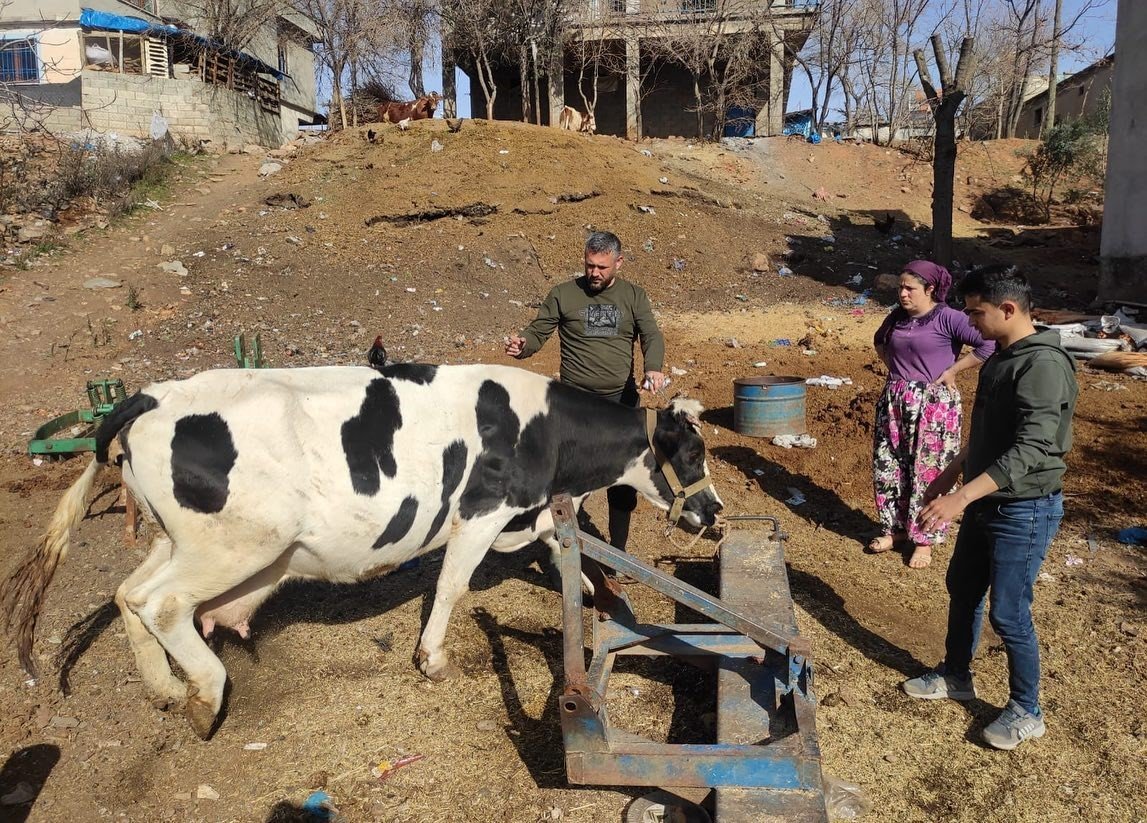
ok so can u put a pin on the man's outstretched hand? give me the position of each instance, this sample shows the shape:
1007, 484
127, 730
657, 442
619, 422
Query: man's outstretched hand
515, 345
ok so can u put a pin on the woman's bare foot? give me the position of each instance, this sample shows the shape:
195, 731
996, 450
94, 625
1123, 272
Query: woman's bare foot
921, 558
881, 544
885, 542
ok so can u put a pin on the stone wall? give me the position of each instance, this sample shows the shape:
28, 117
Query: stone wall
194, 110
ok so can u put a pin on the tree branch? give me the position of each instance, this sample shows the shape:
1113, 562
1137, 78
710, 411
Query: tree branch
925, 77
941, 62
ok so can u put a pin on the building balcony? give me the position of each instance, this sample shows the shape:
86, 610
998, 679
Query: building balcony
627, 13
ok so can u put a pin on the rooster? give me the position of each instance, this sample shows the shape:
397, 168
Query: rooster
404, 124
376, 357
454, 124
885, 226
370, 135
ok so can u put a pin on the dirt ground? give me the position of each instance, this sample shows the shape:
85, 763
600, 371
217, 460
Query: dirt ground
327, 682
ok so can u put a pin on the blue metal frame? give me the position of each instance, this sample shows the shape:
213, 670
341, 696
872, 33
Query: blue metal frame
759, 655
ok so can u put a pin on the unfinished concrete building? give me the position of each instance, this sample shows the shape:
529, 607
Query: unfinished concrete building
643, 89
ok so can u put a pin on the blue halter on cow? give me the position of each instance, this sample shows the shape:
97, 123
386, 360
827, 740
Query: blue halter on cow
254, 477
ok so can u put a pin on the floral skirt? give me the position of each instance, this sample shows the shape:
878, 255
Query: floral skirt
917, 436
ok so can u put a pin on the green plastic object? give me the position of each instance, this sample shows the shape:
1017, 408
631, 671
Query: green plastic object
252, 359
103, 396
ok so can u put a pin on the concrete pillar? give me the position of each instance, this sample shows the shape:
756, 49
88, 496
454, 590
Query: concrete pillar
771, 116
1123, 245
449, 87
556, 74
632, 88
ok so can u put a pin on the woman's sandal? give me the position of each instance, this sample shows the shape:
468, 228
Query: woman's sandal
921, 558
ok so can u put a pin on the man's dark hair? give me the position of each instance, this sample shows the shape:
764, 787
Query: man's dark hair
997, 283
603, 241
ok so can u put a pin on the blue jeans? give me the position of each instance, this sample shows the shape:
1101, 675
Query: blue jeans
998, 553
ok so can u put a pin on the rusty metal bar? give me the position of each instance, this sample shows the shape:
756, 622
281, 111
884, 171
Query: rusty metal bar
682, 592
573, 636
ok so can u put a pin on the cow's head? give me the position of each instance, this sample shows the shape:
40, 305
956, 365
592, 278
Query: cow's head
680, 475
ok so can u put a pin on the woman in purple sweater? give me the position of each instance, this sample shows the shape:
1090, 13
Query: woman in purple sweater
919, 416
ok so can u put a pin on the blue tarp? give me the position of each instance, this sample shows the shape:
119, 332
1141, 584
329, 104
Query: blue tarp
798, 124
740, 122
106, 21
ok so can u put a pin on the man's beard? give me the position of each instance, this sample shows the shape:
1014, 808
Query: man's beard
599, 286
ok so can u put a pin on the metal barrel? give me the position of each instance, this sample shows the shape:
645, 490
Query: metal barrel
768, 406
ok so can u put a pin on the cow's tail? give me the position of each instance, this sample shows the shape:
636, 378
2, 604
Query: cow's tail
22, 593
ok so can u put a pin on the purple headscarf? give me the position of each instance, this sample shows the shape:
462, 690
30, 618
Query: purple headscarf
933, 275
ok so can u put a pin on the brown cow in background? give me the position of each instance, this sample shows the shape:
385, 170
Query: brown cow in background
421, 109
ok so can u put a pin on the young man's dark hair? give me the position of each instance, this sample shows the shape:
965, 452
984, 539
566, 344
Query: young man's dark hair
997, 283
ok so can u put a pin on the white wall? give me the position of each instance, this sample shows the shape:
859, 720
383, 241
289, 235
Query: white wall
1123, 248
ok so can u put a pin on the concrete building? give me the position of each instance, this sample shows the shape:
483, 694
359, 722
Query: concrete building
112, 65
640, 91
1123, 246
1076, 95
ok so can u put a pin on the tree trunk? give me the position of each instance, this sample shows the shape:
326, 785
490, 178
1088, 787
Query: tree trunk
537, 83
1053, 72
524, 81
415, 79
945, 104
700, 108
943, 180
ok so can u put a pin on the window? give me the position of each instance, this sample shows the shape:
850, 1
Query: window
114, 51
617, 6
1038, 117
283, 58
18, 61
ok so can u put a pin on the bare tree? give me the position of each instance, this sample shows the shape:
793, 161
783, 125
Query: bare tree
232, 23
479, 29
351, 34
1053, 69
591, 47
415, 22
944, 104
721, 50
832, 44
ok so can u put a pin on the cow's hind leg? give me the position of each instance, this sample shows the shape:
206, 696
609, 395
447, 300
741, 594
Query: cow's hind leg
154, 669
166, 603
465, 550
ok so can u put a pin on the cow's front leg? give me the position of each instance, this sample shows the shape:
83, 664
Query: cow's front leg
464, 551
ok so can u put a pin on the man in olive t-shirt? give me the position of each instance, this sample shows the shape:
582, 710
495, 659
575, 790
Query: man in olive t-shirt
598, 316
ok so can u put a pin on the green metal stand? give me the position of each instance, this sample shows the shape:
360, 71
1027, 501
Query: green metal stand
103, 396
252, 359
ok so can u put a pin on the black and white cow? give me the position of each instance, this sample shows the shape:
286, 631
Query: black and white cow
258, 476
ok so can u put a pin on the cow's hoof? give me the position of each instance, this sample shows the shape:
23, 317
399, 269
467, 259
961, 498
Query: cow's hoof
164, 702
444, 670
201, 717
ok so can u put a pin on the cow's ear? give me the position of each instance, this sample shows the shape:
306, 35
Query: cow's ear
689, 409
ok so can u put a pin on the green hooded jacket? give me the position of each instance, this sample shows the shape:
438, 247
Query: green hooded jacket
1021, 421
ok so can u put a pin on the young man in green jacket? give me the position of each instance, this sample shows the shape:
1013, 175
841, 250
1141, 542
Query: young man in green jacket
1012, 500
598, 316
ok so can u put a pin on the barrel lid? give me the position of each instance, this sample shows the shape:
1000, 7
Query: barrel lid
768, 380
